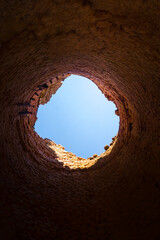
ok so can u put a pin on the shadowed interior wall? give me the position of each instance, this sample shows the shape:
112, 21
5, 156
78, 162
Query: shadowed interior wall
115, 44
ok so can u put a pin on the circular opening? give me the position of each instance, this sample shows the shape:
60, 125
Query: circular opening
77, 119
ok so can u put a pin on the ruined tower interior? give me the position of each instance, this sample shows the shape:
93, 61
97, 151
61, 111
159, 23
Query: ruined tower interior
47, 194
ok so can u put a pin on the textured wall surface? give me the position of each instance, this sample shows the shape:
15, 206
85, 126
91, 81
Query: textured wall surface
116, 44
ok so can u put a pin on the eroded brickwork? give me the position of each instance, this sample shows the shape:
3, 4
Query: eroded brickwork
116, 45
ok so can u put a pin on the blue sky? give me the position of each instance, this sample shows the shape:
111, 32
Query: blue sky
78, 117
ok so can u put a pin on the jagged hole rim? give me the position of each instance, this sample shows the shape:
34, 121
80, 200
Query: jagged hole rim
47, 148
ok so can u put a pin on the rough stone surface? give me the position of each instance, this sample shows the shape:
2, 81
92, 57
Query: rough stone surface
116, 45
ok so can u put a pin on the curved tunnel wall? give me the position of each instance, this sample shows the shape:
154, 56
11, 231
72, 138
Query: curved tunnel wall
116, 45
